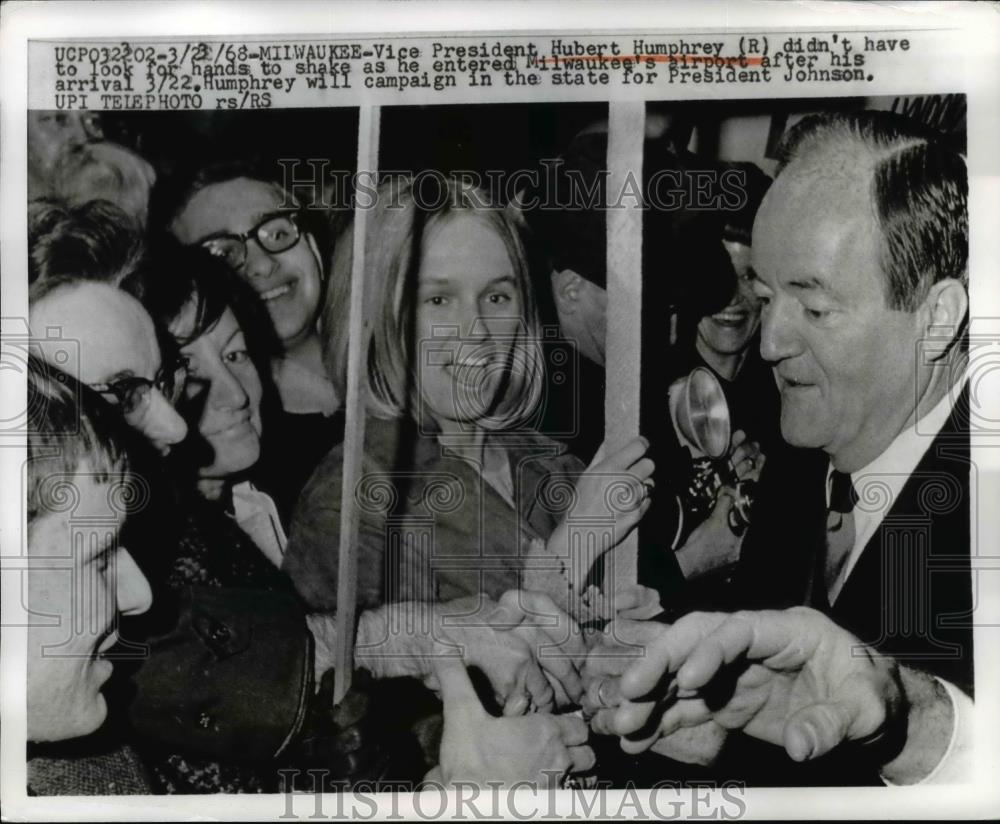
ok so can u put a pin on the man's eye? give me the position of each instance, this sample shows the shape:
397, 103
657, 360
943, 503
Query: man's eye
816, 314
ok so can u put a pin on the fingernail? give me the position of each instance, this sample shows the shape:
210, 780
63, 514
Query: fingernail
811, 737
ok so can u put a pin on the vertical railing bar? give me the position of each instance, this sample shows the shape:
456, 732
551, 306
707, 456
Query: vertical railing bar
354, 426
626, 130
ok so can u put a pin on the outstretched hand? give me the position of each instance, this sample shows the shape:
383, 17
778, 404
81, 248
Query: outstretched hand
621, 645
792, 678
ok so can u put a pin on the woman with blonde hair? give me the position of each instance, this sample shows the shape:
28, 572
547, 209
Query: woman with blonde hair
457, 487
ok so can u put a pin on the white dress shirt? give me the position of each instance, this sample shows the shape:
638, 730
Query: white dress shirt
879, 483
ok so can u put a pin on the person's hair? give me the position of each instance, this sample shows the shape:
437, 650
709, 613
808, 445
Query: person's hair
682, 256
92, 241
738, 223
176, 277
398, 225
172, 194
68, 425
179, 279
919, 191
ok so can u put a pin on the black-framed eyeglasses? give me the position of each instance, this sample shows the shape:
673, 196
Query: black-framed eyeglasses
277, 232
133, 394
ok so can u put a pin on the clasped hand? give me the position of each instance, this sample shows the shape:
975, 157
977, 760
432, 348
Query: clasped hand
530, 650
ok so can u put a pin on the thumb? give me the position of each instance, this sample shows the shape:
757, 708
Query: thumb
457, 693
600, 455
507, 614
815, 730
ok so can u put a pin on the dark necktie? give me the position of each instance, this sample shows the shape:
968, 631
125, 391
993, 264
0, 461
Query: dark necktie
839, 527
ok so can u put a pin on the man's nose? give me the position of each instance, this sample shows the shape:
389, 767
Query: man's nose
778, 334
161, 424
131, 587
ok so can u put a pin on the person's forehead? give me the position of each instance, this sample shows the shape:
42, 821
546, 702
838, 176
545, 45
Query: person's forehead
233, 206
104, 330
815, 219
94, 509
465, 243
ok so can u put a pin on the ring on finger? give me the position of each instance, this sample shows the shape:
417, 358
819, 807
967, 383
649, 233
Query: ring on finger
601, 696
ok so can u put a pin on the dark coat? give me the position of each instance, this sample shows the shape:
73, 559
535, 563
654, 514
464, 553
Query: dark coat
910, 594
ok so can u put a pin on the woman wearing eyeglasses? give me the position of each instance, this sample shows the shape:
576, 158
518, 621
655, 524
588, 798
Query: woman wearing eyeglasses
239, 214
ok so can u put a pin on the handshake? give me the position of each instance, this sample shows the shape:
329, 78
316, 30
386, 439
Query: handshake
791, 678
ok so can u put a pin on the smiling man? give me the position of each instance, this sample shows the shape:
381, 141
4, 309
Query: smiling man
860, 250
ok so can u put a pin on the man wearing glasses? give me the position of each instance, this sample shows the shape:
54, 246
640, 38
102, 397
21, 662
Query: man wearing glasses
118, 355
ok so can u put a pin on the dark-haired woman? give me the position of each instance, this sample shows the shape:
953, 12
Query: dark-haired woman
277, 246
227, 532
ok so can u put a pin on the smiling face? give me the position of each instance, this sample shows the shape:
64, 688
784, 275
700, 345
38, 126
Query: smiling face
116, 339
223, 383
289, 282
730, 331
845, 362
469, 308
75, 604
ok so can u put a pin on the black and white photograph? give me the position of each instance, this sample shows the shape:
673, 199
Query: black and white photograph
404, 424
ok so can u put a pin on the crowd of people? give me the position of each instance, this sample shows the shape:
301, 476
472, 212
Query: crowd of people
202, 425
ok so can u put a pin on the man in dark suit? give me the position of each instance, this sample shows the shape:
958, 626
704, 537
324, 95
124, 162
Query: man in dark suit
860, 256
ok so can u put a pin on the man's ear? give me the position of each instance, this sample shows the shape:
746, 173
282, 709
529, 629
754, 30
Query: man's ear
566, 290
947, 303
945, 309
